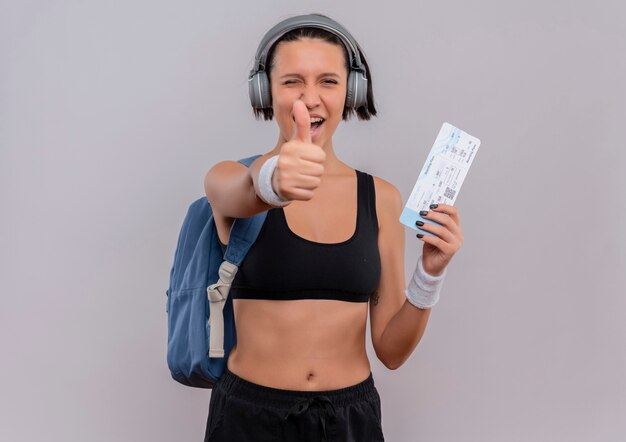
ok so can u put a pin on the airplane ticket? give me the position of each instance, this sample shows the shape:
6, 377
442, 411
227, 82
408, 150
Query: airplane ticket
442, 175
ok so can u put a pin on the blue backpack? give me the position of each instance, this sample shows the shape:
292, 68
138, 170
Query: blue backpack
201, 324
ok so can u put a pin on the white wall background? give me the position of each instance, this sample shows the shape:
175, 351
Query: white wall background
111, 112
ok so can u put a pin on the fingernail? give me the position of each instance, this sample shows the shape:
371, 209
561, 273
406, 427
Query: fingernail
423, 212
434, 206
420, 235
419, 223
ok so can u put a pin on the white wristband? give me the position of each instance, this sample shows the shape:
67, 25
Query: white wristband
266, 191
423, 290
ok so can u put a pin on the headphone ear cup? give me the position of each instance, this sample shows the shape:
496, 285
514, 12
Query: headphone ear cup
350, 90
357, 90
259, 91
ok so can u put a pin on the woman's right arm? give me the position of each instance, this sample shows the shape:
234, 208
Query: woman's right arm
230, 189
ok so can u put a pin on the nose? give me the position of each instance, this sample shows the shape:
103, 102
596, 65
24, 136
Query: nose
310, 96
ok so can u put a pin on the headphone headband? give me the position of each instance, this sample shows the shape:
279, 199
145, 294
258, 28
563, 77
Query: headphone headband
307, 21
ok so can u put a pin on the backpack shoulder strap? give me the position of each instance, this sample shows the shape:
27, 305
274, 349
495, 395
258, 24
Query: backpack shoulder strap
243, 233
249, 160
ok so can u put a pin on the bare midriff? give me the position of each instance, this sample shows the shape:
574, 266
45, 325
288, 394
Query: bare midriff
306, 344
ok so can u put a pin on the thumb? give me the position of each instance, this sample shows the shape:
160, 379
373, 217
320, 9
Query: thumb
303, 122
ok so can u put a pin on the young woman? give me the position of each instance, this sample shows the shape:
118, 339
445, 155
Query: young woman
331, 246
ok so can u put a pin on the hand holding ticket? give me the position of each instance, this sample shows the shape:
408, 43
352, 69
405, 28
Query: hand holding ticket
442, 175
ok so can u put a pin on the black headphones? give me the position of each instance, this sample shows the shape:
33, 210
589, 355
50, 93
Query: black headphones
258, 82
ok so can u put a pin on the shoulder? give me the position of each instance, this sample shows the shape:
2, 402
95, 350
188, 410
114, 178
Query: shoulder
388, 201
387, 195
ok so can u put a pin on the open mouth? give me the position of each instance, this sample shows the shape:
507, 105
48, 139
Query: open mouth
316, 122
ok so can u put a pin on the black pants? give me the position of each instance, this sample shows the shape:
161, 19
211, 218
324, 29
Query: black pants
241, 411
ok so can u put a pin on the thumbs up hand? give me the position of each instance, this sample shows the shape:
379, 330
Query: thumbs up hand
300, 164
302, 120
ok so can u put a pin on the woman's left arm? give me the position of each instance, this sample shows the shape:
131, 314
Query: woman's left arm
397, 325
